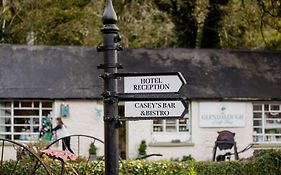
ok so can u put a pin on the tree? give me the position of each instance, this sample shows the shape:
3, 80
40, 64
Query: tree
212, 24
142, 24
271, 7
182, 14
271, 16
78, 22
56, 22
247, 26
250, 24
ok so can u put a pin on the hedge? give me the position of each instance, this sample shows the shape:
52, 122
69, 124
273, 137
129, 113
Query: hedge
263, 163
266, 162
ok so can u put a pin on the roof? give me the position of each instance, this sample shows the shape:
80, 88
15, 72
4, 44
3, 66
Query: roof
49, 72
67, 72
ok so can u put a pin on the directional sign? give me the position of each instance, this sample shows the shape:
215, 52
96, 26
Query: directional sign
153, 82
155, 109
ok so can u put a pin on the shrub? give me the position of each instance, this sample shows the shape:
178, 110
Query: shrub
188, 158
264, 163
93, 149
142, 148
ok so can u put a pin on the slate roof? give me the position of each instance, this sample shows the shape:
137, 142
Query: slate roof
48, 72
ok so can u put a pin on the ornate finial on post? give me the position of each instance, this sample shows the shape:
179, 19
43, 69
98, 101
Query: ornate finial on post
109, 15
109, 19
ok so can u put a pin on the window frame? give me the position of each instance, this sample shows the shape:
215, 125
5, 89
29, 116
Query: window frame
173, 137
266, 110
12, 133
177, 126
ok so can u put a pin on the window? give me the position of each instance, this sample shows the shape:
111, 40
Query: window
171, 130
22, 120
267, 123
180, 125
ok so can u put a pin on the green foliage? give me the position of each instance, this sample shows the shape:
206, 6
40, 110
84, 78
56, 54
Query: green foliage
182, 14
160, 167
265, 162
247, 26
212, 24
250, 24
54, 22
96, 167
93, 149
36, 147
142, 148
188, 158
142, 24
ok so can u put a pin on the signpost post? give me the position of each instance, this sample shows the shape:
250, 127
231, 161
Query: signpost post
110, 66
136, 108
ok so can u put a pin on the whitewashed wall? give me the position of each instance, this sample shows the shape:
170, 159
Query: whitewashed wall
83, 119
202, 139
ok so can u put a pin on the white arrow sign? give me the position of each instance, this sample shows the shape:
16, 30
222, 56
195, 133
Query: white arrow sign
155, 109
146, 83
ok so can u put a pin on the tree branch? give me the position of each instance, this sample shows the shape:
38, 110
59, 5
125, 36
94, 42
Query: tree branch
263, 7
261, 29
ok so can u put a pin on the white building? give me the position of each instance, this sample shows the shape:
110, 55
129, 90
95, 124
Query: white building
239, 91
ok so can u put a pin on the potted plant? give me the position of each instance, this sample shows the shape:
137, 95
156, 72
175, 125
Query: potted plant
142, 148
93, 151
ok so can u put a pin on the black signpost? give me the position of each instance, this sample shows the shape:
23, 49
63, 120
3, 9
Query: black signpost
110, 66
146, 95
